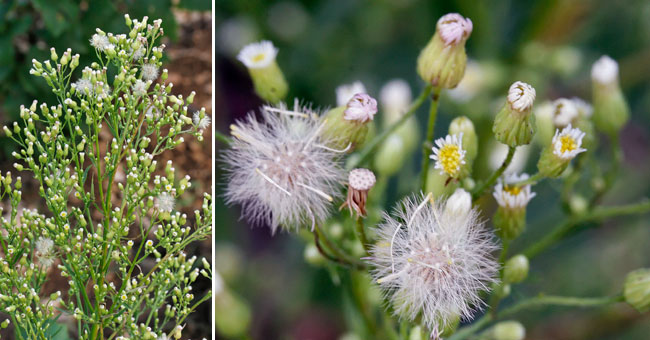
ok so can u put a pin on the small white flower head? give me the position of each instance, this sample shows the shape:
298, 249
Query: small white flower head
280, 168
45, 251
201, 123
149, 72
83, 86
512, 196
459, 203
361, 108
449, 154
564, 112
433, 263
345, 92
100, 42
139, 88
585, 109
165, 202
521, 96
454, 29
258, 55
396, 96
566, 144
360, 181
139, 53
604, 71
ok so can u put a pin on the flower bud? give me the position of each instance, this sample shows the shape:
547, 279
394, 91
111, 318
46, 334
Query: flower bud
459, 204
565, 146
346, 127
391, 155
636, 289
442, 62
514, 125
611, 111
508, 330
510, 217
267, 77
515, 269
395, 98
463, 126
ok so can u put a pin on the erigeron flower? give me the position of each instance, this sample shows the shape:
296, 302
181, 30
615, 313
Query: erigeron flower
432, 263
566, 144
258, 55
100, 42
449, 155
345, 92
360, 181
565, 112
514, 124
513, 196
165, 202
605, 70
149, 72
83, 86
200, 122
139, 88
361, 108
521, 96
453, 28
281, 169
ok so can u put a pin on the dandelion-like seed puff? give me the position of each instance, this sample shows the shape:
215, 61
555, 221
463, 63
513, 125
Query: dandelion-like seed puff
433, 261
280, 169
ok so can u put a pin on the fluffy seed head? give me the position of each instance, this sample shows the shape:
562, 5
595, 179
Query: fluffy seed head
139, 88
100, 42
149, 72
449, 154
361, 108
454, 29
605, 70
566, 144
83, 86
258, 55
512, 196
521, 96
345, 92
165, 202
280, 168
432, 263
200, 122
44, 251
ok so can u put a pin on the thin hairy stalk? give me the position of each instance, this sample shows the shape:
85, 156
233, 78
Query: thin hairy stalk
487, 184
595, 215
426, 149
369, 150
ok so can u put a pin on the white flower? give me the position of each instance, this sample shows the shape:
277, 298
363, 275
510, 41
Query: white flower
165, 202
433, 264
566, 144
449, 154
459, 203
200, 122
564, 112
361, 108
395, 97
100, 42
345, 92
149, 72
510, 196
280, 168
83, 86
139, 88
521, 96
258, 55
453, 28
605, 70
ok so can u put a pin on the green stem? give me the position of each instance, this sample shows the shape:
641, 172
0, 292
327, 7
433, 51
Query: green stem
338, 256
487, 184
610, 177
361, 234
369, 150
597, 214
426, 149
222, 138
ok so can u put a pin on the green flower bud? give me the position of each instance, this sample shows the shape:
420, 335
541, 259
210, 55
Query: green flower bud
465, 126
509, 222
507, 330
390, 156
515, 269
442, 61
636, 289
514, 125
267, 77
346, 127
611, 111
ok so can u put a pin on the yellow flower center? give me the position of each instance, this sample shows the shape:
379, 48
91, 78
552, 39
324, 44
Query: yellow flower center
512, 189
450, 158
258, 57
567, 143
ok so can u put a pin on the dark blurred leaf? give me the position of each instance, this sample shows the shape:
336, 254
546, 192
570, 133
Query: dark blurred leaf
195, 5
57, 15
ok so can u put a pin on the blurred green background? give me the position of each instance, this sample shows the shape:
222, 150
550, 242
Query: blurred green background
549, 44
